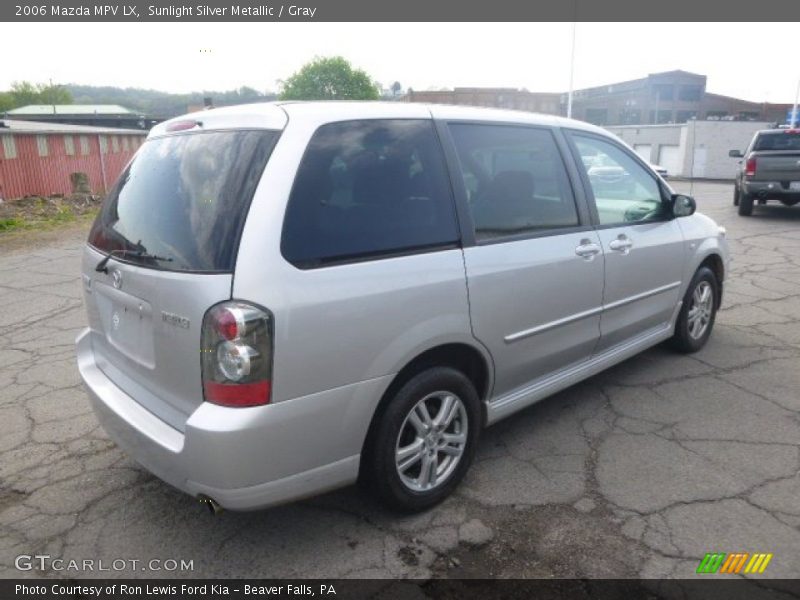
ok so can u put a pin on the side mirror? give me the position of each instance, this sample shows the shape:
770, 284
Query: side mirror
683, 206
735, 154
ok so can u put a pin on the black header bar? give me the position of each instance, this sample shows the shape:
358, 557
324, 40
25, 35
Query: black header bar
401, 11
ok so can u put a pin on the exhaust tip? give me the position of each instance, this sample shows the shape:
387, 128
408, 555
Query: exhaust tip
211, 504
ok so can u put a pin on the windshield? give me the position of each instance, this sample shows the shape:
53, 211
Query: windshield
780, 140
182, 201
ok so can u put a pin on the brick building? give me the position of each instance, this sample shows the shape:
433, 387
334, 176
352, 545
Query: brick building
659, 98
511, 98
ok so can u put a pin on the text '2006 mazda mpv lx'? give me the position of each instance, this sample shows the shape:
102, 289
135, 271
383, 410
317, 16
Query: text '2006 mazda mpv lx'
286, 298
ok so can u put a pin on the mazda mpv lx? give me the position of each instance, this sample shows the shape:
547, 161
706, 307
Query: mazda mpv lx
287, 298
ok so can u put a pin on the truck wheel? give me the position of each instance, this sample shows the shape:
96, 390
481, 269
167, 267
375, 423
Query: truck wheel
735, 195
698, 312
424, 441
745, 204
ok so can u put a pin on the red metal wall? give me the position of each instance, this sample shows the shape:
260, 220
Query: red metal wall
32, 175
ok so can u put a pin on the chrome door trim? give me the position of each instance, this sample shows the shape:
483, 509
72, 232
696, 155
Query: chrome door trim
508, 404
642, 296
514, 337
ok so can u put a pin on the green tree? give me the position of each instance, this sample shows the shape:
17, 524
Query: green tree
54, 94
331, 78
23, 93
6, 101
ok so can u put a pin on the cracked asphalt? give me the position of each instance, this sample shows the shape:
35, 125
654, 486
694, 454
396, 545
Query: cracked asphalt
637, 472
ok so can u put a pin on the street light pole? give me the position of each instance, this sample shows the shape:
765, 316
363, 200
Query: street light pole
571, 72
655, 113
794, 119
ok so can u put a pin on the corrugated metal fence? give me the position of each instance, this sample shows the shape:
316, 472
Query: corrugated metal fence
40, 164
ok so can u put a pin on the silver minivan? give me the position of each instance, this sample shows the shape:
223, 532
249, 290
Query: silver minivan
287, 298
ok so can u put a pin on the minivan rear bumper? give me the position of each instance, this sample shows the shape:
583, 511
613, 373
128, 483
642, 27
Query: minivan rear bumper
243, 458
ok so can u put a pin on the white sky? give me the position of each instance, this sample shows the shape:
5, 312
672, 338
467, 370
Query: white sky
167, 56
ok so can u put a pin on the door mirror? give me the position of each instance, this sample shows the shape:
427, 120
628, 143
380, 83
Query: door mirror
683, 206
735, 154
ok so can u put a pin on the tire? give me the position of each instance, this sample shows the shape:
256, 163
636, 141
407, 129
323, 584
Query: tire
397, 428
692, 332
735, 195
745, 204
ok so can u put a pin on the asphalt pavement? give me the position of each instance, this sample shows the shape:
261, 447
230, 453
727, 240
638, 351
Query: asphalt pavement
638, 471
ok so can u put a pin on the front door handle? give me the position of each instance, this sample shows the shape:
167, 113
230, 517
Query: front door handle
587, 249
622, 244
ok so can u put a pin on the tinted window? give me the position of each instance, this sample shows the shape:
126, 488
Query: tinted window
624, 191
779, 140
185, 198
515, 179
368, 188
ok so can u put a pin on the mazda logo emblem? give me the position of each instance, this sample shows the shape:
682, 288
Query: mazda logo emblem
116, 277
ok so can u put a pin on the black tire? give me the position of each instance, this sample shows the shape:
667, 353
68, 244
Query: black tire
735, 195
683, 340
745, 204
379, 471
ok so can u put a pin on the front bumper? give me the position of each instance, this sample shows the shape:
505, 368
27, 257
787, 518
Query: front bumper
243, 458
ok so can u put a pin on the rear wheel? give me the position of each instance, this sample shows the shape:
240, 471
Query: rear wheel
698, 312
424, 441
735, 195
745, 204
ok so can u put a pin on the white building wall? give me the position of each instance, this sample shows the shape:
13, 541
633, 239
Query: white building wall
703, 145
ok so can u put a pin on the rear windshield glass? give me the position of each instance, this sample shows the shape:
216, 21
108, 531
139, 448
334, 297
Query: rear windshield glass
777, 141
182, 201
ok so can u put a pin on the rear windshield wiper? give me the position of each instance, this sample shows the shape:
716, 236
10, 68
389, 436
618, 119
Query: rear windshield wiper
102, 268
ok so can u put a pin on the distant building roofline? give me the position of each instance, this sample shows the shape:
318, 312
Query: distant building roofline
8, 125
72, 110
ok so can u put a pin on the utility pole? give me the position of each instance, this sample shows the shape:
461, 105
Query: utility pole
795, 117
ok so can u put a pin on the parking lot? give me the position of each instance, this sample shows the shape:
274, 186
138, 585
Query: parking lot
636, 472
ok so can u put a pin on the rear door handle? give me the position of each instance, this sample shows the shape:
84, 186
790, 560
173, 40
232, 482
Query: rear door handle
622, 244
587, 249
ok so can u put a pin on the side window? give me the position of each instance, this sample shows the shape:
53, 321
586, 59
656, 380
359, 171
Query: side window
515, 178
624, 191
367, 188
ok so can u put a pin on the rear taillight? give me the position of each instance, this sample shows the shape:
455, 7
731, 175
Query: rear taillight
750, 167
236, 348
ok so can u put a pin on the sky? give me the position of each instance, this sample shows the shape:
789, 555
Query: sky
183, 57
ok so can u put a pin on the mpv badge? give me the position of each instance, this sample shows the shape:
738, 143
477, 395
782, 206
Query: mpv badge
176, 320
116, 277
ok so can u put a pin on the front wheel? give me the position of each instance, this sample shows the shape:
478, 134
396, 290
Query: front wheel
424, 441
735, 195
698, 312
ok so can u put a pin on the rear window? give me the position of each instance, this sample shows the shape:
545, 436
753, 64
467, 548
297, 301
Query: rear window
367, 189
780, 140
185, 198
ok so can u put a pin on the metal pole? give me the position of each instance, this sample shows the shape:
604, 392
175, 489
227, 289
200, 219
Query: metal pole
571, 72
655, 115
102, 164
795, 116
